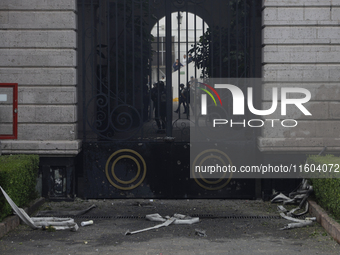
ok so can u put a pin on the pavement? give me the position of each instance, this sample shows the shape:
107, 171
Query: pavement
231, 226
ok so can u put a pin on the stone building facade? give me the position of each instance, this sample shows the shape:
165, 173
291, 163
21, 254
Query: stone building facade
38, 50
301, 43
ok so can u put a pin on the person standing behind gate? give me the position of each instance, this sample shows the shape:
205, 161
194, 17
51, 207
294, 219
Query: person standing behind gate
186, 97
182, 99
163, 79
159, 98
177, 65
184, 60
189, 59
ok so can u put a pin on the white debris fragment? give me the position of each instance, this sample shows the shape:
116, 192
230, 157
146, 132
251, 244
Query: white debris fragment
175, 219
42, 222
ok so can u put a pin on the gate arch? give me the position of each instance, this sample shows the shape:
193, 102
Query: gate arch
116, 105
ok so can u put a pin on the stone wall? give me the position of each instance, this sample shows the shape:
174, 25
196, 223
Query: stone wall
38, 51
301, 45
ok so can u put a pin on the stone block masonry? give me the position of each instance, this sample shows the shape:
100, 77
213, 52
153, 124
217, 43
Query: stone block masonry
301, 44
38, 50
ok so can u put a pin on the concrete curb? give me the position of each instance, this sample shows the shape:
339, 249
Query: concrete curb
330, 225
11, 222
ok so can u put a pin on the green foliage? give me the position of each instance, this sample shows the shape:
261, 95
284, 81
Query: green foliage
327, 190
222, 50
18, 176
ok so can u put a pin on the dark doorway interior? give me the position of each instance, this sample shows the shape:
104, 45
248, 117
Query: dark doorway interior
134, 145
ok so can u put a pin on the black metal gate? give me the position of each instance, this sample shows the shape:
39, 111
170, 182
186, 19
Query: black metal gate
134, 145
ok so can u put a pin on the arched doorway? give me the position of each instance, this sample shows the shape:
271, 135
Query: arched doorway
186, 31
121, 56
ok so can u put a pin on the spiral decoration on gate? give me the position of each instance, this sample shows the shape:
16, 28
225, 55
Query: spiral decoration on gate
222, 159
125, 169
120, 122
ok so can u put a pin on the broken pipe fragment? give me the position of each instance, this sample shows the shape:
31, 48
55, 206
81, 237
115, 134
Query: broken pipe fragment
176, 219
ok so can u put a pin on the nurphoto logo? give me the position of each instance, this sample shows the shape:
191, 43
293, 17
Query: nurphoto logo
238, 108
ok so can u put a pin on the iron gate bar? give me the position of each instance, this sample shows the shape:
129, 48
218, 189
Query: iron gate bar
83, 72
149, 73
203, 46
179, 52
187, 65
116, 22
229, 24
253, 36
133, 52
245, 37
195, 31
100, 46
212, 47
168, 69
220, 37
125, 87
141, 73
237, 38
116, 37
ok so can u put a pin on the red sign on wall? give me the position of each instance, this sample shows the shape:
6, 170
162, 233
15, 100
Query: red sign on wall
8, 110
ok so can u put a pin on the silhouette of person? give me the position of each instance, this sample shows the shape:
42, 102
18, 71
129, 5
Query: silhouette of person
190, 58
182, 98
184, 60
159, 98
177, 65
186, 98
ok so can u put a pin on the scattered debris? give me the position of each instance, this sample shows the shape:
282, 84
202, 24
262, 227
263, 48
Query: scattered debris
175, 219
279, 198
200, 232
165, 224
297, 225
43, 222
179, 218
86, 223
65, 213
297, 222
155, 217
56, 223
298, 197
